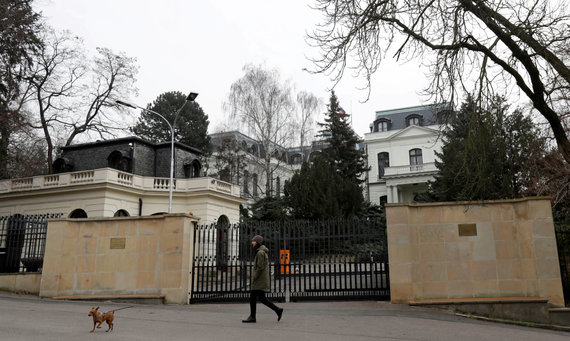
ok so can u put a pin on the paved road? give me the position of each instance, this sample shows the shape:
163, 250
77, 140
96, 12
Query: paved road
30, 318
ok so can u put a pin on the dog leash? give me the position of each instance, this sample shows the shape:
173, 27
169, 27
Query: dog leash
112, 311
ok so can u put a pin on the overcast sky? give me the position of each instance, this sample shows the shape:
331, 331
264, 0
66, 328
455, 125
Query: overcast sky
202, 46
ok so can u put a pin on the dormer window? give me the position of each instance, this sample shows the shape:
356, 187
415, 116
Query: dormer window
120, 160
414, 120
382, 124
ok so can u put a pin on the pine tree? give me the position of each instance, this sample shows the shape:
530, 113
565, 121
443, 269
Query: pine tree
342, 151
319, 192
485, 153
191, 127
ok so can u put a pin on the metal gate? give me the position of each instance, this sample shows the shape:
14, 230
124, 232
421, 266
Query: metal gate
335, 259
22, 242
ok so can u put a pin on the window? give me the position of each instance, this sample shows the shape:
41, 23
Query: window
414, 120
416, 157
121, 213
192, 169
246, 182
383, 163
297, 159
313, 155
382, 124
78, 213
62, 165
120, 160
254, 177
383, 202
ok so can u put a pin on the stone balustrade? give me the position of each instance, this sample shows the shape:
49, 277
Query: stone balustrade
117, 177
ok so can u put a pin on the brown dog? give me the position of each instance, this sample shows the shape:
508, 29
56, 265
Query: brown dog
101, 317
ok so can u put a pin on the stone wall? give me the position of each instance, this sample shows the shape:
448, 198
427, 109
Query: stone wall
462, 250
119, 256
21, 282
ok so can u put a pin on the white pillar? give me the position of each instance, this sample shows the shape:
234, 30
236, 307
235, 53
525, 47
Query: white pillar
395, 194
389, 194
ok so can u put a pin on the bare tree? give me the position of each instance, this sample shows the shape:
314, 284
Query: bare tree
264, 104
476, 46
72, 94
307, 104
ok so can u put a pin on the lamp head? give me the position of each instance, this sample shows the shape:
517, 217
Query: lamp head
191, 97
126, 104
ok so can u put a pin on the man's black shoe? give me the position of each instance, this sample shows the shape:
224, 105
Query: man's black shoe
279, 314
249, 320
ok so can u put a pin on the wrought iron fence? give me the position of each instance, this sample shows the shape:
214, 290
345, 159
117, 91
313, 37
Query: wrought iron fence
563, 243
310, 260
22, 242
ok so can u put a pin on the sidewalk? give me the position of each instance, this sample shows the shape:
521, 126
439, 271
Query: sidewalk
31, 318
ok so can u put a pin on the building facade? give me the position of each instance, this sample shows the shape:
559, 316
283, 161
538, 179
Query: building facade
401, 148
240, 160
123, 177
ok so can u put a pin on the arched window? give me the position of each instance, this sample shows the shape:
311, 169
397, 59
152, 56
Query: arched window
119, 159
78, 213
192, 168
121, 213
416, 156
313, 155
414, 120
62, 165
382, 124
383, 163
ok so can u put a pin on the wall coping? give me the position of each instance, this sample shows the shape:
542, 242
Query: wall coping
158, 216
468, 203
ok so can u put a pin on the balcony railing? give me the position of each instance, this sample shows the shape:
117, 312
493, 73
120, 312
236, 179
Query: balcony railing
409, 169
109, 175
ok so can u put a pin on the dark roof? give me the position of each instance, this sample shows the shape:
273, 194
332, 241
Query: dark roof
131, 139
397, 117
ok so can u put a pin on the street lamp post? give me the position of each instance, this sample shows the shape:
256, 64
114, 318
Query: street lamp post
191, 97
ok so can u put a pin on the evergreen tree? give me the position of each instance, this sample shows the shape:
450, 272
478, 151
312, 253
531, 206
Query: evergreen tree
19, 41
190, 128
485, 153
319, 192
266, 209
342, 152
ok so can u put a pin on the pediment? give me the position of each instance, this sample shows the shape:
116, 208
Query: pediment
413, 131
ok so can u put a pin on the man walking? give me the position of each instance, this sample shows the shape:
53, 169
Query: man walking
260, 280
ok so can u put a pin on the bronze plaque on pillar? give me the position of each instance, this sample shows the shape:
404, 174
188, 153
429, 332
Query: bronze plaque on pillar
118, 243
467, 230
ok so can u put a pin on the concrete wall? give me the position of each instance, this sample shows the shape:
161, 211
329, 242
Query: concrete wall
119, 256
22, 282
461, 250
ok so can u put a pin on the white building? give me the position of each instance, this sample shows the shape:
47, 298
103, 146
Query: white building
240, 160
122, 177
401, 150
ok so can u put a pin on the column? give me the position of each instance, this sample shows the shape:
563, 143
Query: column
395, 194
